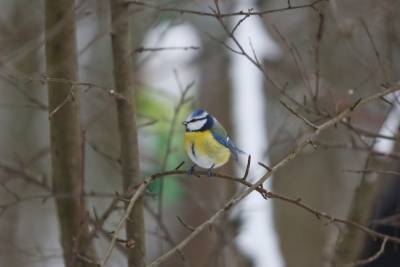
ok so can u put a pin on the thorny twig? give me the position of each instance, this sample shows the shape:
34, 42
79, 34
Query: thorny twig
184, 224
246, 173
86, 86
70, 97
371, 258
128, 210
306, 121
249, 12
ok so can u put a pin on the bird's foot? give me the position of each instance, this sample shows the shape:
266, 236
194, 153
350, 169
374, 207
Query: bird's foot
191, 170
209, 172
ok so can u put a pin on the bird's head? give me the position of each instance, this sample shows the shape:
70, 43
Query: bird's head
198, 120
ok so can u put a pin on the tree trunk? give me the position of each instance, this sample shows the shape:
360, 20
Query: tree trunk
65, 136
123, 69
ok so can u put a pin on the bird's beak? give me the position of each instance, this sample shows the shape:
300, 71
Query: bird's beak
184, 123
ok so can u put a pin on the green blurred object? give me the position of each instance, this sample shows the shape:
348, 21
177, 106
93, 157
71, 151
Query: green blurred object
158, 105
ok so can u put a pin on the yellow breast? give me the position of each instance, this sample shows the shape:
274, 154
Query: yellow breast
204, 150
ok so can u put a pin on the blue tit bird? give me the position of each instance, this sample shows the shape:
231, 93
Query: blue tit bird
206, 141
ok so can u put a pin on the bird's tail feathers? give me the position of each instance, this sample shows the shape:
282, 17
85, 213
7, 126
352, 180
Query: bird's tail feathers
236, 151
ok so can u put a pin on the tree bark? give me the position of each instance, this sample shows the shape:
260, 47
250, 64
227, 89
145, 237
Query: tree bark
65, 136
123, 70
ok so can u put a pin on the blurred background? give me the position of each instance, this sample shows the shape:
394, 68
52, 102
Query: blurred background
315, 57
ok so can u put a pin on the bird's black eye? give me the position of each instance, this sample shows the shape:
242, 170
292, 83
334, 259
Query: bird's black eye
196, 119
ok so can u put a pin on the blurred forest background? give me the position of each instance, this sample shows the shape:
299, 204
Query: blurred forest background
92, 89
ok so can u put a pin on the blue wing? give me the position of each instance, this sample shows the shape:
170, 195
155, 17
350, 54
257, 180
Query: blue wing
227, 142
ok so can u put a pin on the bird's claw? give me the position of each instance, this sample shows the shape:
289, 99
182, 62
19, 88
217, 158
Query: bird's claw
209, 172
191, 170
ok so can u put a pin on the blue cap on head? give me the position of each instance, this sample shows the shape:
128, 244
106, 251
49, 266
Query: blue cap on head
197, 112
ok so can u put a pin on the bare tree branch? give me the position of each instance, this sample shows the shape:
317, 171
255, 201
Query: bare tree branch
373, 257
249, 12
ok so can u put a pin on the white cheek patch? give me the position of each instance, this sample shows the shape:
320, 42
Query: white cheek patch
202, 115
199, 116
196, 125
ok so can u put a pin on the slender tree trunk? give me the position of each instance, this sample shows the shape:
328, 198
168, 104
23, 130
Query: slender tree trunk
12, 224
65, 136
123, 70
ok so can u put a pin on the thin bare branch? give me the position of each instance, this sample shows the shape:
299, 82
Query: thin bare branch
162, 49
184, 224
249, 12
298, 115
246, 173
373, 257
125, 217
